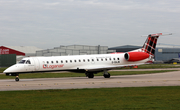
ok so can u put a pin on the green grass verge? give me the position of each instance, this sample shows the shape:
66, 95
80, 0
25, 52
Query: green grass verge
69, 74
139, 98
2, 69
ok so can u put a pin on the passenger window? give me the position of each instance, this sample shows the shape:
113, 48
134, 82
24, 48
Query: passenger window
97, 59
66, 61
71, 61
51, 61
88, 60
74, 60
84, 60
101, 59
47, 62
106, 59
114, 58
61, 61
79, 60
56, 61
118, 58
109, 58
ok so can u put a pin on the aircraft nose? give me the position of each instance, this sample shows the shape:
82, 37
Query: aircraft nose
10, 69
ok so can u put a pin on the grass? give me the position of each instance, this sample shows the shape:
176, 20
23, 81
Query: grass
2, 69
69, 74
139, 98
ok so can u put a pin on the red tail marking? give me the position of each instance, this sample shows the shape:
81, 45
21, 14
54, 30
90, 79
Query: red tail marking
150, 44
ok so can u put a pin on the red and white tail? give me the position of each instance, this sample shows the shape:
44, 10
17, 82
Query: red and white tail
147, 51
150, 43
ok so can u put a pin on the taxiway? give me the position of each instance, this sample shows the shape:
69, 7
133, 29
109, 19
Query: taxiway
143, 80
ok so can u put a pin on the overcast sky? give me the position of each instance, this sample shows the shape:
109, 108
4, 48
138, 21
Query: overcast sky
51, 23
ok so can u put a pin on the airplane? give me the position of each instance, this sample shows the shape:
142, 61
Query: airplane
88, 64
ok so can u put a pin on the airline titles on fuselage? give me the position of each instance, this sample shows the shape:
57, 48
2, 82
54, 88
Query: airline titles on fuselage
52, 66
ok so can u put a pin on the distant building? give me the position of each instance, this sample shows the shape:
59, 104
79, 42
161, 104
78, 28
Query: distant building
164, 53
19, 51
125, 48
74, 50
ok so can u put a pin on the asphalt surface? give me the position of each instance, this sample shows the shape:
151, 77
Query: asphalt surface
145, 80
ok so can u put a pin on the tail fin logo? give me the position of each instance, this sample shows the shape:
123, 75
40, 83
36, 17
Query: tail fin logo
150, 44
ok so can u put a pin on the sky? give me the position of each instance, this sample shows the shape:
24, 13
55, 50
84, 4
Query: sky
50, 23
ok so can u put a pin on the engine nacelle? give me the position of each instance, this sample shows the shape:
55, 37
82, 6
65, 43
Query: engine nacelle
136, 56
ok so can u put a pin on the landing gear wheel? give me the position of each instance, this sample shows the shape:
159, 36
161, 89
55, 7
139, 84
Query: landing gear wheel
90, 75
107, 75
17, 79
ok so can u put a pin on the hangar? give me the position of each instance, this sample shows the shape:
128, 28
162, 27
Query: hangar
7, 54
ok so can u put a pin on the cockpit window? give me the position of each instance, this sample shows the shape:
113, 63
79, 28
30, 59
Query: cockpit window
28, 62
22, 61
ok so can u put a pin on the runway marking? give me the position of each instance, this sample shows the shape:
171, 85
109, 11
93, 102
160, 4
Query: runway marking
8, 85
55, 83
23, 84
40, 84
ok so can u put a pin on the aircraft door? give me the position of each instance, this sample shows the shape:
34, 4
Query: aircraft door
36, 64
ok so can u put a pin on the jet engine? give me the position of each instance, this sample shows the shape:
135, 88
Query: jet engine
136, 56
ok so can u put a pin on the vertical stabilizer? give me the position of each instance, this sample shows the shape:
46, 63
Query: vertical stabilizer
150, 43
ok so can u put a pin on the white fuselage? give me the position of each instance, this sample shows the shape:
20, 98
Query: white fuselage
95, 63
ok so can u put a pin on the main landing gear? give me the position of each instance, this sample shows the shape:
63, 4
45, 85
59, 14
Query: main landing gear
106, 74
91, 74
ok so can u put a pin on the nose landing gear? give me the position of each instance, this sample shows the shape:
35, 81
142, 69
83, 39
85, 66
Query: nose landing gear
17, 77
